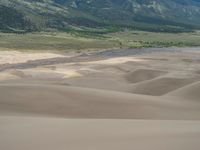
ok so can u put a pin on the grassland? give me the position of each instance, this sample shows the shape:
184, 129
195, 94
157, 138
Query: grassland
63, 41
51, 41
139, 39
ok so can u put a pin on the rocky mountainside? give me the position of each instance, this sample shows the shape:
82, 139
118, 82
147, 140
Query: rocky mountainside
98, 15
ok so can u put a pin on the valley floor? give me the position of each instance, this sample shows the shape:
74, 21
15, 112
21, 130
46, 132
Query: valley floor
118, 99
77, 42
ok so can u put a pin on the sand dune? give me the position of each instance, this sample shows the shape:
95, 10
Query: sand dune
7, 76
190, 92
143, 74
13, 57
17, 73
198, 72
27, 133
63, 101
161, 86
83, 102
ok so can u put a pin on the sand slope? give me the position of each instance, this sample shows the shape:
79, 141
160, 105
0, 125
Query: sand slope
143, 75
83, 103
82, 134
189, 93
161, 86
64, 101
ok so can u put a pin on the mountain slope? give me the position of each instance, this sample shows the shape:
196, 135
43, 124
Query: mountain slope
151, 15
12, 20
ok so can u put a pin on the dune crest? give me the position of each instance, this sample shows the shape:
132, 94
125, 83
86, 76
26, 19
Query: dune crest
143, 75
189, 93
161, 86
66, 101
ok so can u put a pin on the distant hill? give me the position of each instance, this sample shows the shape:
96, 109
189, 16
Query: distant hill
99, 15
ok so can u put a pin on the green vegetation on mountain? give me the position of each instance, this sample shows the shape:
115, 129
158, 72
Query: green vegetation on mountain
99, 15
98, 24
13, 21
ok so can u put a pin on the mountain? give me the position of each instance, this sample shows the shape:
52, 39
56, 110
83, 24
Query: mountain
99, 15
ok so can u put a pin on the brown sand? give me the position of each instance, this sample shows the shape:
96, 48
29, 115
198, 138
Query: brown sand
143, 74
161, 86
86, 104
74, 102
190, 92
27, 133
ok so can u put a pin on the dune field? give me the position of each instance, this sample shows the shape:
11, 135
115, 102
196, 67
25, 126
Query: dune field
129, 99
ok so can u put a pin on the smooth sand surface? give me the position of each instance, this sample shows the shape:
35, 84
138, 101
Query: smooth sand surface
91, 102
22, 133
74, 102
12, 57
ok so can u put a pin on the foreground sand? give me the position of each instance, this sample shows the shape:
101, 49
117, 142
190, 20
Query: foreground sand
74, 134
147, 101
